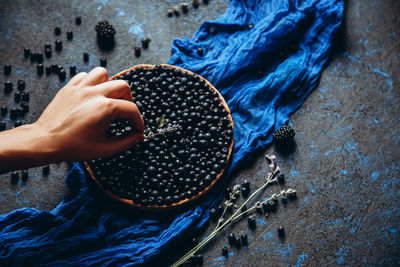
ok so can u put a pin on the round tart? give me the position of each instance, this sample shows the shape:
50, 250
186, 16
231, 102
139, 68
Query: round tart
187, 146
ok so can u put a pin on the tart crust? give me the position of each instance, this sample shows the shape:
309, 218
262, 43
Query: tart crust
187, 200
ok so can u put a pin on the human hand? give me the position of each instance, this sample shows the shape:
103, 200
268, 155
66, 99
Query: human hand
78, 117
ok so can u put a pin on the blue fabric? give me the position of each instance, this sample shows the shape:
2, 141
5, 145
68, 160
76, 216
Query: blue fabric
289, 44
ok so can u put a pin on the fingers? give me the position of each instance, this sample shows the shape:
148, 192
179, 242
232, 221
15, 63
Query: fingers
115, 89
95, 76
123, 109
77, 78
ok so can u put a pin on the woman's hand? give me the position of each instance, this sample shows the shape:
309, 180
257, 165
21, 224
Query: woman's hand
74, 125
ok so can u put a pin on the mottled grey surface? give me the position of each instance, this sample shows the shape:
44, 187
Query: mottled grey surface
346, 166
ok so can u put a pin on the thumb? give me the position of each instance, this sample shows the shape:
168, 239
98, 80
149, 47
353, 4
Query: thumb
129, 111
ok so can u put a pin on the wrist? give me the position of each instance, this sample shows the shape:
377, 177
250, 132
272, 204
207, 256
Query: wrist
27, 146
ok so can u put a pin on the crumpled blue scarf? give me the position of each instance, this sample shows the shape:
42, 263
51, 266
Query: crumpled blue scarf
265, 57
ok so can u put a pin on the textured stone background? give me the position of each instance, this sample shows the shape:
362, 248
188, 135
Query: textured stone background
346, 166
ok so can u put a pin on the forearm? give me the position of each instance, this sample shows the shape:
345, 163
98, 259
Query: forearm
25, 147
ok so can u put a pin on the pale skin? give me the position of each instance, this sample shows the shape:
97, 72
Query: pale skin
73, 126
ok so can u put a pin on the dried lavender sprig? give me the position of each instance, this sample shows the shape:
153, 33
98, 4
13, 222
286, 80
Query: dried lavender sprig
215, 232
273, 170
232, 196
168, 129
273, 197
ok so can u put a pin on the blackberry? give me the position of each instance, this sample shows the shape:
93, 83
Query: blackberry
105, 34
78, 20
284, 135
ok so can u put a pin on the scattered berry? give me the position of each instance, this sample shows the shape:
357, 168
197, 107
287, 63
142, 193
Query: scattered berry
8, 86
14, 112
17, 96
232, 239
195, 3
269, 206
184, 7
46, 170
72, 71
70, 35
78, 20
62, 75
39, 69
137, 51
243, 238
58, 44
7, 69
21, 85
200, 51
24, 175
17, 124
245, 192
281, 231
281, 178
27, 52
57, 30
170, 13
85, 57
225, 251
145, 42
47, 52
14, 177
2, 126
25, 96
3, 110
251, 221
103, 61
176, 11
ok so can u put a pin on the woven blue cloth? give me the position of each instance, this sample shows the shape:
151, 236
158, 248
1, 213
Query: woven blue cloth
264, 57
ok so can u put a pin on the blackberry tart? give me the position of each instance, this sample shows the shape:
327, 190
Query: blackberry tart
187, 146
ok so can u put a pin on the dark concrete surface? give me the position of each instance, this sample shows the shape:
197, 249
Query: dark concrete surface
346, 166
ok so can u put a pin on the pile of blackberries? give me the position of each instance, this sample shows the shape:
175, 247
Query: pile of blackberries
105, 34
177, 165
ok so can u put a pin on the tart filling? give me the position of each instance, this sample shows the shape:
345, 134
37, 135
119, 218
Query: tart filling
187, 146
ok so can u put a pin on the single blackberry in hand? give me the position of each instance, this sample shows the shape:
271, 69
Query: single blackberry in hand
284, 135
105, 34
